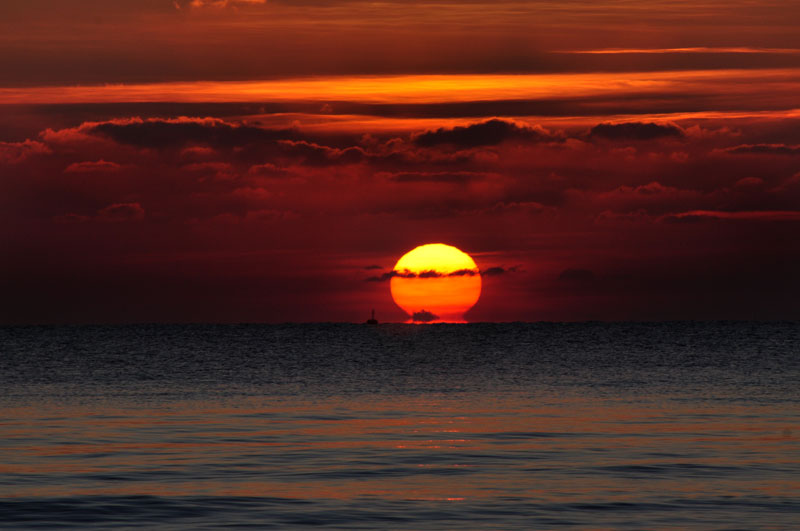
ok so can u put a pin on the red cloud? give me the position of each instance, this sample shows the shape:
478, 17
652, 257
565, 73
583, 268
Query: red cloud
763, 149
218, 4
546, 205
16, 152
119, 212
92, 167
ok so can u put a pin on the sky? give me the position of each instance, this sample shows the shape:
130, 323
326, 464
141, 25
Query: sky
252, 161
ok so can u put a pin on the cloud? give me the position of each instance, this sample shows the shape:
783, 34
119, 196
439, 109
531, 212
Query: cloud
763, 149
222, 171
269, 214
252, 193
16, 152
747, 182
753, 215
488, 133
424, 316
391, 274
209, 167
409, 274
432, 273
692, 50
502, 208
653, 191
497, 271
787, 185
197, 153
652, 197
372, 267
99, 166
610, 216
434, 177
119, 212
463, 273
267, 170
319, 155
217, 4
635, 131
625, 211
178, 132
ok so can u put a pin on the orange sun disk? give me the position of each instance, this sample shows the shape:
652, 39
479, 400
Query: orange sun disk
435, 283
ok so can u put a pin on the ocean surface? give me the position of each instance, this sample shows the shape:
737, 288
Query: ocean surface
475, 426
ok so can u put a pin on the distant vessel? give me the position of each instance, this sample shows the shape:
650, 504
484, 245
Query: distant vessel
372, 319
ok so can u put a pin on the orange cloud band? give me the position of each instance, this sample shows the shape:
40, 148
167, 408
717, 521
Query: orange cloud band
421, 88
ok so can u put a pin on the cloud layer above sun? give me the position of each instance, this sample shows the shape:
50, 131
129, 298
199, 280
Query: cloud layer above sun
219, 218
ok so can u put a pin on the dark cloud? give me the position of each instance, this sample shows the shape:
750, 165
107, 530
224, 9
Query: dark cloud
763, 149
488, 133
424, 316
431, 273
407, 274
463, 273
319, 155
601, 105
714, 215
595, 105
635, 131
372, 267
267, 151
497, 271
162, 133
391, 274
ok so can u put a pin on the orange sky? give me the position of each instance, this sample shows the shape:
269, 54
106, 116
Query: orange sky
778, 83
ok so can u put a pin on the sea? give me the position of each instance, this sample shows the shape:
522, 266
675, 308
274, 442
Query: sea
678, 425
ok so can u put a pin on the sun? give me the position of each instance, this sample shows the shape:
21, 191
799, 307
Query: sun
436, 282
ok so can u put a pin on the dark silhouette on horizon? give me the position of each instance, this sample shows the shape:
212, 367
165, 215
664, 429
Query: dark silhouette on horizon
372, 320
424, 316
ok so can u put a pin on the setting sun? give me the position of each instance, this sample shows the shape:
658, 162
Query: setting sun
436, 282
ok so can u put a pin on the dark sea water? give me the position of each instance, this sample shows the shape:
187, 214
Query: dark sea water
478, 426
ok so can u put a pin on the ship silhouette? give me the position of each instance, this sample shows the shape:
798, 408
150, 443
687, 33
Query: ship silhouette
372, 320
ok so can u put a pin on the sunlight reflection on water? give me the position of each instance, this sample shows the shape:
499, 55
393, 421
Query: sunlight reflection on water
342, 426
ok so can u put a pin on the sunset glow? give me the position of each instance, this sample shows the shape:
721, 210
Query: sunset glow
240, 161
419, 264
416, 89
436, 282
